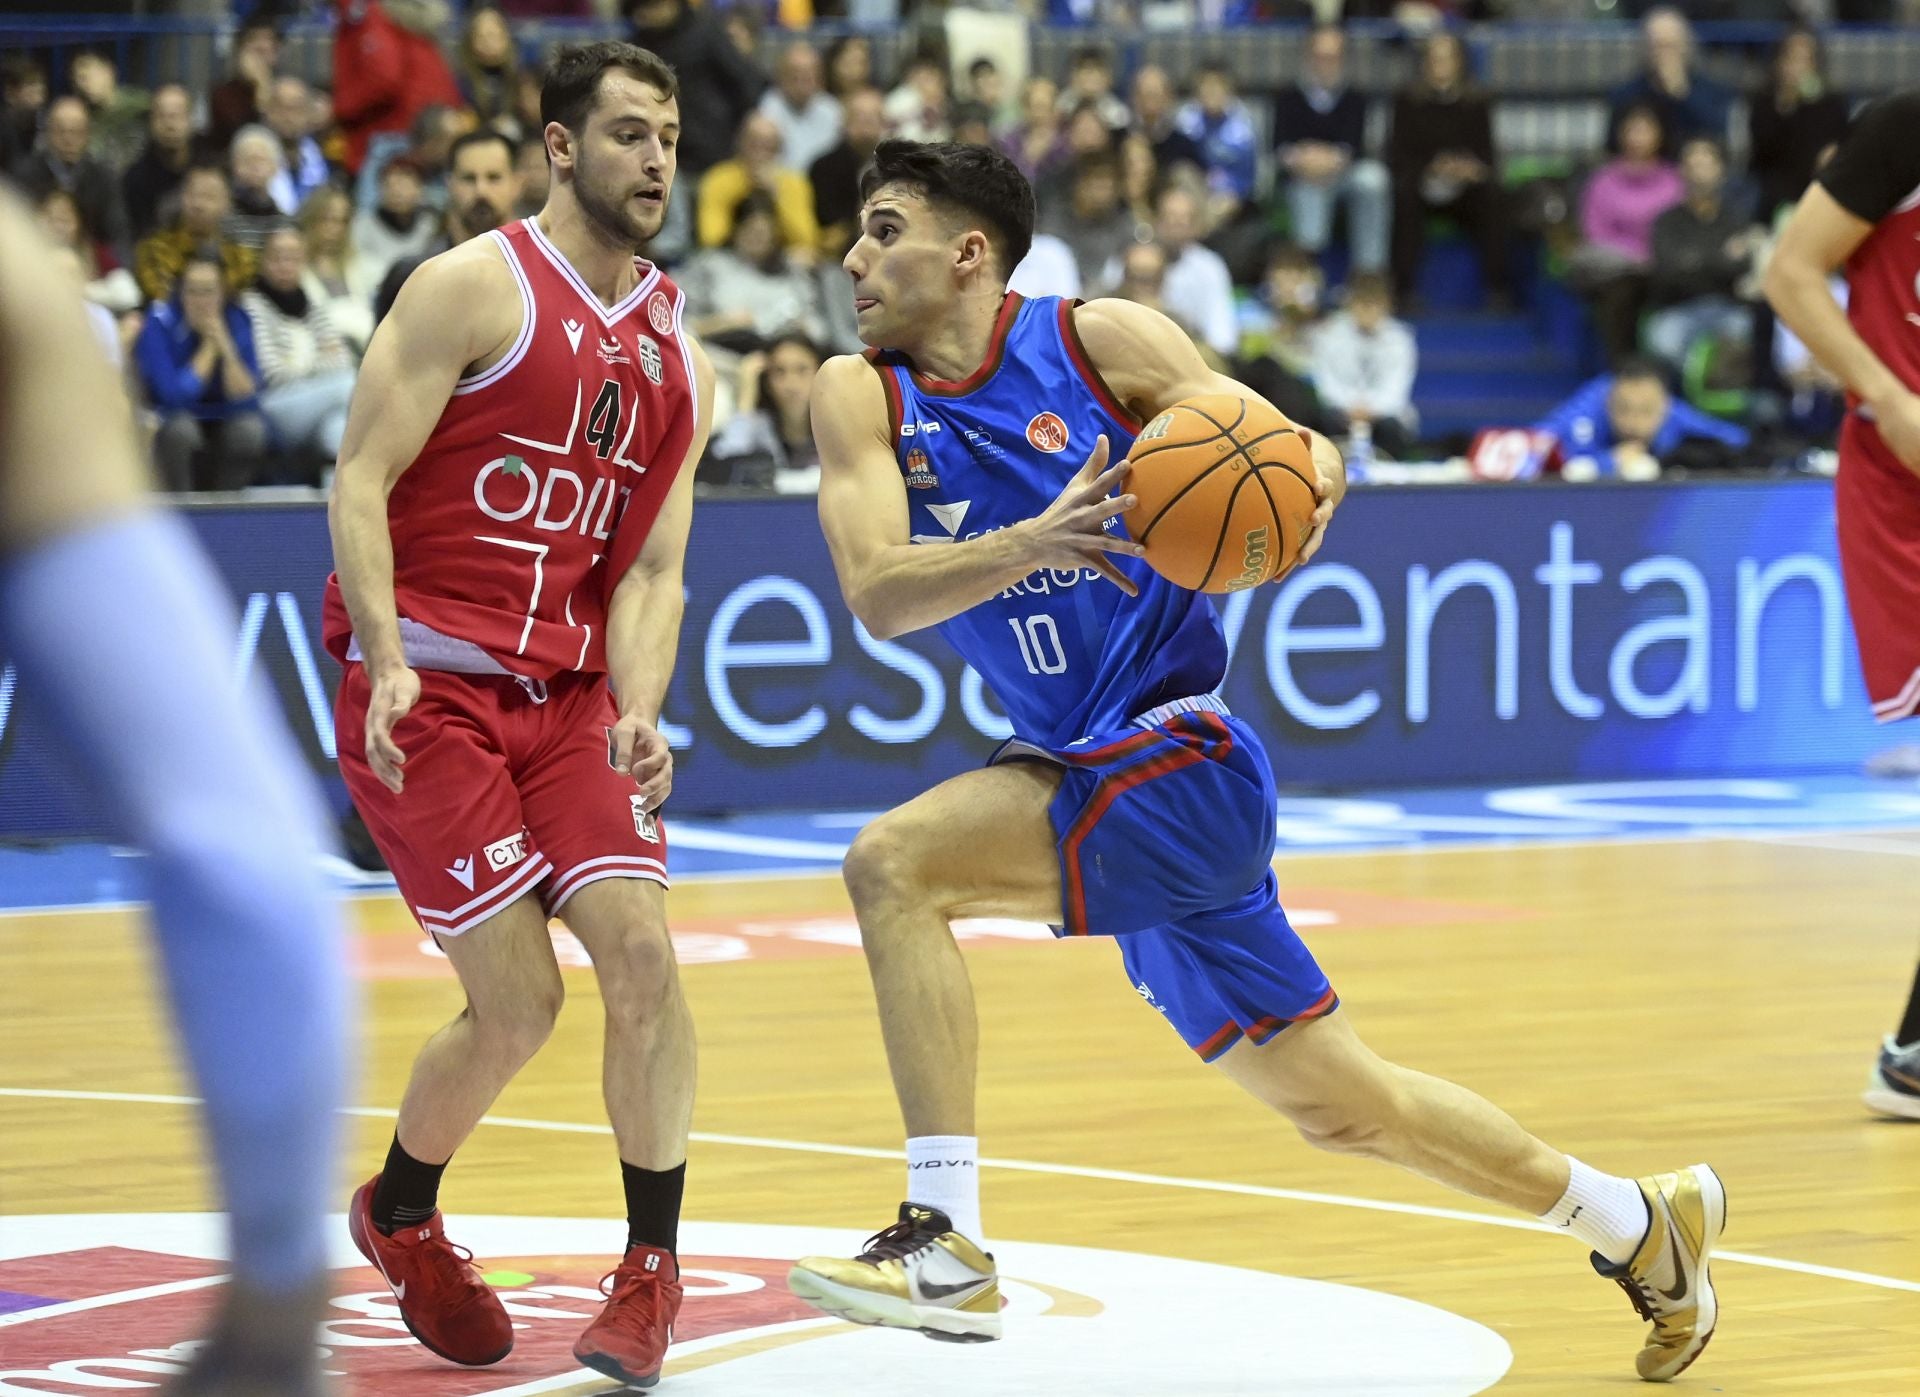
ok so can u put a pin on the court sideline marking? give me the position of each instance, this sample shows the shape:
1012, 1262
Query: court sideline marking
1028, 1166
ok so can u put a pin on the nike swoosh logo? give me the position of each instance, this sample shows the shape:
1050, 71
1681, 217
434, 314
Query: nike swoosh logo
400, 1291
1684, 1283
933, 1290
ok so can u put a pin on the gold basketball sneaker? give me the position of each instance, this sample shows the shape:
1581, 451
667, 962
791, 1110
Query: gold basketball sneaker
918, 1274
1667, 1278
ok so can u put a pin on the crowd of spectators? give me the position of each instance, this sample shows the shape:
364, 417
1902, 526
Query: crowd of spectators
240, 246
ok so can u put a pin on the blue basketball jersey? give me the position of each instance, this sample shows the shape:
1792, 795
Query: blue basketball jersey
1067, 652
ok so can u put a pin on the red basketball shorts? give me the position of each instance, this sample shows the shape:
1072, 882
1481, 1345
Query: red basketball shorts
503, 794
1878, 501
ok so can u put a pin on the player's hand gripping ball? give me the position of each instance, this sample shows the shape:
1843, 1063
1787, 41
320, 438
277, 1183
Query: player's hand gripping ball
1226, 490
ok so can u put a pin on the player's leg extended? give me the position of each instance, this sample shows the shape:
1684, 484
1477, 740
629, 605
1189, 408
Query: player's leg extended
122, 632
981, 844
648, 1075
1654, 1235
512, 983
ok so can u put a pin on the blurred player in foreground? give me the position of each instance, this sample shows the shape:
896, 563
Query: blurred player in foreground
122, 634
1129, 803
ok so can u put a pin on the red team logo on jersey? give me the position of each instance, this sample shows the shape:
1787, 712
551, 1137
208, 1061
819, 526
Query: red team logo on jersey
660, 314
920, 474
1047, 433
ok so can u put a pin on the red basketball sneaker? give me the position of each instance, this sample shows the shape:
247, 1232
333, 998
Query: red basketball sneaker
629, 1339
445, 1304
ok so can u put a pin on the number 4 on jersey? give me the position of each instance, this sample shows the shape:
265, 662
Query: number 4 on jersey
603, 422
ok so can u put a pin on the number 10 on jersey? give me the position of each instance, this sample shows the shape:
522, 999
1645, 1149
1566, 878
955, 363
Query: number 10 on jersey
1039, 641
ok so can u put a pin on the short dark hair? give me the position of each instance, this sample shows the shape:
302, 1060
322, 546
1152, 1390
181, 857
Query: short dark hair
1638, 368
205, 166
572, 83
980, 65
1095, 162
1092, 55
483, 136
1712, 143
976, 181
1369, 286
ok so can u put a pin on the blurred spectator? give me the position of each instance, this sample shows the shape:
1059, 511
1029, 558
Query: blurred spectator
1617, 212
1816, 399
742, 25
1218, 123
337, 276
1702, 248
1139, 178
1626, 425
242, 98
1049, 269
197, 362
768, 443
1364, 362
917, 107
1143, 276
972, 124
155, 177
305, 364
109, 330
1688, 101
1090, 81
387, 69
119, 114
205, 199
489, 66
1091, 220
718, 84
482, 190
107, 283
23, 101
399, 225
1791, 120
526, 124
1277, 350
1198, 290
757, 166
1155, 107
1038, 144
536, 178
850, 66
1086, 134
744, 294
259, 184
987, 85
835, 176
1319, 136
1442, 161
290, 119
809, 120
326, 131
62, 162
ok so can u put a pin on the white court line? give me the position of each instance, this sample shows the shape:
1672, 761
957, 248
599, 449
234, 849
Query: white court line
101, 1302
1847, 843
1028, 1166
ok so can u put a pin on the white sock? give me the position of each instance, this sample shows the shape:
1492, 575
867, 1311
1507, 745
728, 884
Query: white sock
1607, 1213
943, 1171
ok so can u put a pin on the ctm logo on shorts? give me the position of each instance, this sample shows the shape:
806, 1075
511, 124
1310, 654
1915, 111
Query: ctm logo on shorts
505, 853
644, 824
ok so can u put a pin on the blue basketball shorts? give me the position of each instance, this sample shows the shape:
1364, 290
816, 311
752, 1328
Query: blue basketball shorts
1165, 835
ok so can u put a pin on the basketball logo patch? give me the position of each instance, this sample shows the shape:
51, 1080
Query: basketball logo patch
1046, 432
650, 358
659, 313
920, 474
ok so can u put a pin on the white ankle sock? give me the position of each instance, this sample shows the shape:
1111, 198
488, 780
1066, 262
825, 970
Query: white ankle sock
1607, 1213
943, 1171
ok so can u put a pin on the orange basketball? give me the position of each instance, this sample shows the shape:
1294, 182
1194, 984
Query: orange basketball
1225, 486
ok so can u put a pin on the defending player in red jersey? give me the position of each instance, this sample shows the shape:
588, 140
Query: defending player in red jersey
509, 522
1863, 214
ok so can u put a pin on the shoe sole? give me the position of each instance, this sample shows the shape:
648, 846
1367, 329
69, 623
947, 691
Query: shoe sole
1713, 1206
887, 1312
1885, 1101
356, 1231
611, 1368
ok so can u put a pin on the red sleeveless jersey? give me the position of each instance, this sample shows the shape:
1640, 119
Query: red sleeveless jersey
1883, 290
537, 486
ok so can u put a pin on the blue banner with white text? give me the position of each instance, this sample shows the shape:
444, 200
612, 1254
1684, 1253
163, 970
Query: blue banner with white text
1446, 635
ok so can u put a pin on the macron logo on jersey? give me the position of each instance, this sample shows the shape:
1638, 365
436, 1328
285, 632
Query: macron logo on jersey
462, 870
574, 330
950, 516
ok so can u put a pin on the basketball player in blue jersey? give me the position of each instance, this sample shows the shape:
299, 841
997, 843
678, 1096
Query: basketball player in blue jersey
966, 484
107, 608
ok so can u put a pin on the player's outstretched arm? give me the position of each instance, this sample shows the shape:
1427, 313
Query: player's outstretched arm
456, 311
894, 585
1149, 364
1818, 239
643, 618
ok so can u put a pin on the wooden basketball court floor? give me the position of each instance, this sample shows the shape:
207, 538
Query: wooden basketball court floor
1642, 1005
